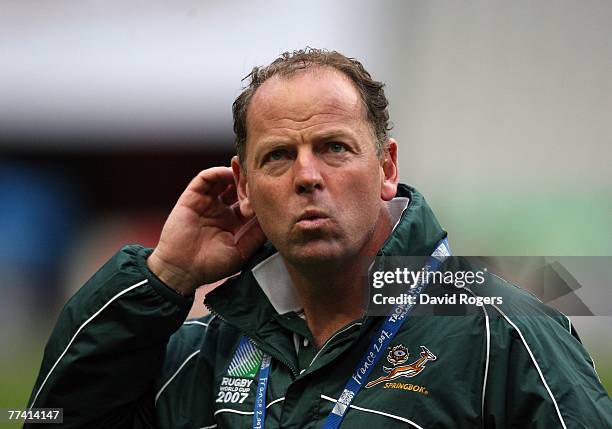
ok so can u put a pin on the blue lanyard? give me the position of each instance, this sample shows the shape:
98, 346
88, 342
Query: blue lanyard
259, 414
398, 316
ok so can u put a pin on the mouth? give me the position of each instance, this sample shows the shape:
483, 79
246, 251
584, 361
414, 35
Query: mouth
312, 218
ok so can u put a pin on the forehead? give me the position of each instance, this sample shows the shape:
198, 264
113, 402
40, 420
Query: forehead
308, 99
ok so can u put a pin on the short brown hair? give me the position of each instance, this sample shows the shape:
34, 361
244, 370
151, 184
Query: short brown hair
371, 91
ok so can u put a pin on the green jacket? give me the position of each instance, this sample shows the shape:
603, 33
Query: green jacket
122, 355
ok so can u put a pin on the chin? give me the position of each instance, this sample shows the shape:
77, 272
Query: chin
316, 253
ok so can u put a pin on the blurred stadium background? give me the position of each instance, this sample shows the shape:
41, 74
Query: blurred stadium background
107, 109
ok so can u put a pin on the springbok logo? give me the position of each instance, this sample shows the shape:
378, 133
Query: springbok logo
399, 355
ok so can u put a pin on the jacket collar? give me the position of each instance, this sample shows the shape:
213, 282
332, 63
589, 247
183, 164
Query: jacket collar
241, 301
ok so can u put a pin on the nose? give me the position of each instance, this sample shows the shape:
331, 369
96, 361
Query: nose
306, 173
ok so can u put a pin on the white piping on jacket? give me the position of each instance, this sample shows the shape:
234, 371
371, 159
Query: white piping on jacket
569, 322
175, 374
246, 413
124, 291
195, 322
535, 363
486, 371
382, 413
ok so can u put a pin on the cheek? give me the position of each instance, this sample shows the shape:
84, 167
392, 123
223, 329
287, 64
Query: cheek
262, 204
361, 196
268, 204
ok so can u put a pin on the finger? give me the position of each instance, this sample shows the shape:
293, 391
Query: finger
209, 203
249, 238
236, 209
244, 227
212, 181
229, 196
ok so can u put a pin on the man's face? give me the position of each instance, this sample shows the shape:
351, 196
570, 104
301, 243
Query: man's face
313, 178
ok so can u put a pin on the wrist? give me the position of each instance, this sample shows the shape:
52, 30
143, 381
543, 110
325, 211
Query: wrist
173, 277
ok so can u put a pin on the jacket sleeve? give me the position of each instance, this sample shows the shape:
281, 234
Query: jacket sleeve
542, 377
108, 346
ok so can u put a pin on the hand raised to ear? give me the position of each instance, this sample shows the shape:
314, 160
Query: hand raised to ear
205, 237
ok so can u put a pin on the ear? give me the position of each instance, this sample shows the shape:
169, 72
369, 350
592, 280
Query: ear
242, 189
390, 172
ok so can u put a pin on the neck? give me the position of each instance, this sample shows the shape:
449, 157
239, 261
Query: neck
331, 299
334, 293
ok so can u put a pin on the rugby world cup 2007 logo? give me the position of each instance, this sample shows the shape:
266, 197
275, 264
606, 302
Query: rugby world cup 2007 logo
235, 385
398, 356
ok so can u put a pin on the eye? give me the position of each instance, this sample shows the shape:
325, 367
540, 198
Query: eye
337, 147
276, 155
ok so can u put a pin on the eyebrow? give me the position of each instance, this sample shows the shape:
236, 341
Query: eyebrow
334, 133
273, 142
323, 135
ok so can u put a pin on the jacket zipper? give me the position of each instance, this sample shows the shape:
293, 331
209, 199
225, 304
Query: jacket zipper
257, 343
331, 338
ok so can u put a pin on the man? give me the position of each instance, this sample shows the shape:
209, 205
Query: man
311, 198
